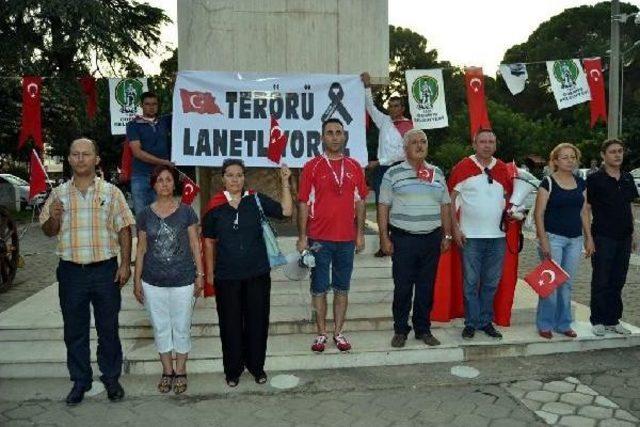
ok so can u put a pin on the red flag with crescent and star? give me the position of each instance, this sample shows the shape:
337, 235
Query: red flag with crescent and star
277, 142
546, 277
37, 176
478, 116
199, 102
189, 190
31, 117
88, 85
595, 78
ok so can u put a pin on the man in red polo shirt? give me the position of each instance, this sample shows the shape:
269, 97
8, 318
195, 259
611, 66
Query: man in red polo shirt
331, 213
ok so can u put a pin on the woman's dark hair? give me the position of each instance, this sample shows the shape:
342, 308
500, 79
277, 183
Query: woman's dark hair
177, 185
230, 162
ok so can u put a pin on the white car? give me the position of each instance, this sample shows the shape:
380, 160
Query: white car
23, 190
636, 178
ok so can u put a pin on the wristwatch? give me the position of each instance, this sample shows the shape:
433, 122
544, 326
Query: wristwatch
448, 237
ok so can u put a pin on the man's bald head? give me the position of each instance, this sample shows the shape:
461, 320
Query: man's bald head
93, 144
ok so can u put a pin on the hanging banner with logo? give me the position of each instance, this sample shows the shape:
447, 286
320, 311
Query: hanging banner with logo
124, 102
515, 76
219, 115
568, 82
426, 98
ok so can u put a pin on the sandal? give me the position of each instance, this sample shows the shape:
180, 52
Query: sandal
180, 383
233, 382
261, 378
166, 382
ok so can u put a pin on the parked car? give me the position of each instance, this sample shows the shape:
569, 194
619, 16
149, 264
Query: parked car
23, 190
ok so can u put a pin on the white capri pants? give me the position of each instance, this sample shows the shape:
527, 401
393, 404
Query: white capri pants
170, 312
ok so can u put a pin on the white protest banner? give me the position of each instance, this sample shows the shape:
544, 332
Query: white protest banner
568, 82
218, 115
426, 98
124, 102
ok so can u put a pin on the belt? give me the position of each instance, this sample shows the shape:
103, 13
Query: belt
402, 232
91, 264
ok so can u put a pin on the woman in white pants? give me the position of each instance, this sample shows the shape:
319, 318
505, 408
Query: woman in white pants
169, 275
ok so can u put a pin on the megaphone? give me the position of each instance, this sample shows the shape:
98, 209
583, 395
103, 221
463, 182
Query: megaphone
523, 185
299, 265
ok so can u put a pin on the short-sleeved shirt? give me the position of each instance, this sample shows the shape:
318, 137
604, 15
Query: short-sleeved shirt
241, 250
90, 222
610, 201
482, 197
562, 214
331, 207
168, 261
154, 138
415, 204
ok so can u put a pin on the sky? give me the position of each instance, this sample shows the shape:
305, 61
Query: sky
464, 32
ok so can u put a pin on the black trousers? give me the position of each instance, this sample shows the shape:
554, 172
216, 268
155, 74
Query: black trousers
610, 263
78, 287
243, 313
415, 262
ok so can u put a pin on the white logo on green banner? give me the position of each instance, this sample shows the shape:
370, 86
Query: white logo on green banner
568, 82
124, 102
426, 98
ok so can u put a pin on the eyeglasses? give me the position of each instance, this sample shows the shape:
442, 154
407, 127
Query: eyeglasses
489, 177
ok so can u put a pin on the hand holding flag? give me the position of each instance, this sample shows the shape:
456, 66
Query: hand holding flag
189, 189
546, 277
277, 142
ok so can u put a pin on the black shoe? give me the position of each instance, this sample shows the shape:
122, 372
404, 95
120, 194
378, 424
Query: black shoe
261, 378
76, 394
379, 254
468, 332
115, 392
428, 339
492, 332
398, 340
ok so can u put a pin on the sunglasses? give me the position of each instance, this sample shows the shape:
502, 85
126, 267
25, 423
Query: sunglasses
489, 177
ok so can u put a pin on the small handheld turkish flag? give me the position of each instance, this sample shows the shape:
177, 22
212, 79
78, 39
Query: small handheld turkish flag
189, 190
546, 277
277, 142
37, 176
426, 173
199, 102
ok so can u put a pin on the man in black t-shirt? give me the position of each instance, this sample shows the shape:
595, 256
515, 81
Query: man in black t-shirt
610, 192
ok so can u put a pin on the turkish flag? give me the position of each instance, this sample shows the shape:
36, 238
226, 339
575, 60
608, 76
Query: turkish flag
277, 142
595, 78
426, 173
189, 190
546, 277
88, 85
478, 116
126, 162
31, 117
199, 102
37, 176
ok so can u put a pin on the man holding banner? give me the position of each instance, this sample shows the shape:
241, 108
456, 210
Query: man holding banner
391, 128
148, 137
332, 194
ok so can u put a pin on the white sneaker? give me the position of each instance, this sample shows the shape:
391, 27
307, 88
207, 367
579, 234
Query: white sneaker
598, 330
618, 329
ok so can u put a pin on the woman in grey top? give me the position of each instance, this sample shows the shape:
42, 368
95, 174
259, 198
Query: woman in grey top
169, 274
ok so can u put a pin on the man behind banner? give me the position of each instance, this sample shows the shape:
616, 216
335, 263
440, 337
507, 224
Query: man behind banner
391, 128
480, 185
149, 139
331, 213
415, 202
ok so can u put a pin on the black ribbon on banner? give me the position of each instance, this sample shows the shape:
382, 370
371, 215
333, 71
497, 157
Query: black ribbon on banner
336, 93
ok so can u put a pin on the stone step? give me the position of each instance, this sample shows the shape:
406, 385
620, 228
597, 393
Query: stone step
292, 352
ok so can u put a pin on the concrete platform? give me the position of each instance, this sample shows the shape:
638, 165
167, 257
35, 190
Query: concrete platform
31, 331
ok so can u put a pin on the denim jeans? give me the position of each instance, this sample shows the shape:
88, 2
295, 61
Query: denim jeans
334, 265
78, 287
141, 192
482, 260
554, 311
610, 263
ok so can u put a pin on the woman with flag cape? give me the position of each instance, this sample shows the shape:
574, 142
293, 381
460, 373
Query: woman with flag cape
236, 258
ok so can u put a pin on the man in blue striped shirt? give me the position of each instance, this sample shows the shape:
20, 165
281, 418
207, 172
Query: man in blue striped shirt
414, 202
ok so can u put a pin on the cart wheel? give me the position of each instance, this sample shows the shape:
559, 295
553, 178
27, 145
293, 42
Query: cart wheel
9, 248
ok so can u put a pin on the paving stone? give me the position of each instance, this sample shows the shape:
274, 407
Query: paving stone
518, 393
603, 401
508, 422
577, 399
531, 404
559, 386
492, 411
559, 408
607, 380
24, 411
586, 390
470, 420
597, 412
528, 385
616, 423
577, 421
542, 396
548, 417
572, 380
624, 415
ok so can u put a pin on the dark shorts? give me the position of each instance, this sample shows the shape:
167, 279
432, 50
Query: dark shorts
335, 258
